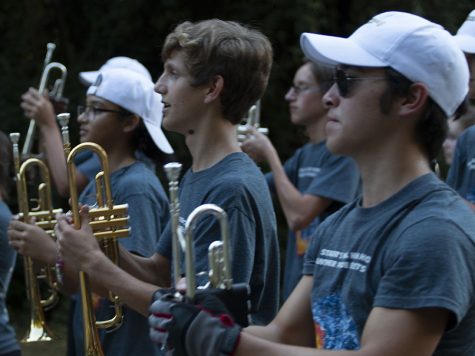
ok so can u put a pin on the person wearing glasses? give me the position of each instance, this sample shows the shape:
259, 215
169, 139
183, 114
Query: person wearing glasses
313, 183
461, 175
392, 273
122, 114
39, 107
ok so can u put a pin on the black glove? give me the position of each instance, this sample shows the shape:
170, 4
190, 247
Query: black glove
203, 327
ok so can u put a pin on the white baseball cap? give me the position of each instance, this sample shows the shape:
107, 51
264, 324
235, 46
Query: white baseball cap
465, 36
87, 78
420, 50
136, 94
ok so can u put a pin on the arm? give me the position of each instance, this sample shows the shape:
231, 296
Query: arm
293, 324
80, 250
299, 209
40, 108
32, 241
389, 332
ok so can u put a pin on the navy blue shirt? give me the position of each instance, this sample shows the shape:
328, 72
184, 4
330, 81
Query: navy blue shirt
237, 186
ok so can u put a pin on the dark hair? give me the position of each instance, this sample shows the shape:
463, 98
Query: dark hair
6, 166
242, 56
431, 129
143, 142
323, 74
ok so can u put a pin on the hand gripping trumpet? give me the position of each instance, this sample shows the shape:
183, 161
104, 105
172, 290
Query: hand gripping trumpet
253, 119
57, 92
109, 222
44, 215
234, 296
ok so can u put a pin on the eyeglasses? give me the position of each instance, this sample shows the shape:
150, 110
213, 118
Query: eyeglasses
345, 82
90, 111
299, 89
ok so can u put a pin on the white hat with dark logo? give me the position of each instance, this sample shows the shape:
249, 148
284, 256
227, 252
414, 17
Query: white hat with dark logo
121, 62
135, 93
420, 50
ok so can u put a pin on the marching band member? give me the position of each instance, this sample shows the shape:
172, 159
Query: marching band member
392, 273
461, 175
313, 183
122, 114
213, 72
8, 343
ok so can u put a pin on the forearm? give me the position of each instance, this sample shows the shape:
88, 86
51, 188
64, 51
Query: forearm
250, 344
53, 147
105, 276
144, 269
299, 209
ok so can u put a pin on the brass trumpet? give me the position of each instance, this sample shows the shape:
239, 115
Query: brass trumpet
235, 296
253, 119
109, 222
45, 218
57, 92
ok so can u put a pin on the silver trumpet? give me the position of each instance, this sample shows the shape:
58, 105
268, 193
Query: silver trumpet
253, 119
234, 296
57, 92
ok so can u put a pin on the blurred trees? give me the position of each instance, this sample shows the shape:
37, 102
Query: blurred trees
88, 32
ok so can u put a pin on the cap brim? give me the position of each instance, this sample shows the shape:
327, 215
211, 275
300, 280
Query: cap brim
159, 137
87, 78
336, 50
466, 43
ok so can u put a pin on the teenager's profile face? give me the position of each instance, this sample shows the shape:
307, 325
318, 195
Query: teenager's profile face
99, 121
305, 98
183, 103
355, 123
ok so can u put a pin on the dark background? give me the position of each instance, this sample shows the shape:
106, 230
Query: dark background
89, 32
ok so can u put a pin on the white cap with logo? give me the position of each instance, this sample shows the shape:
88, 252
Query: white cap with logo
89, 77
420, 50
135, 93
465, 36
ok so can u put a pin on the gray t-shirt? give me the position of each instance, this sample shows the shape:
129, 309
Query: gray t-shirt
414, 250
461, 175
316, 171
237, 186
8, 341
148, 211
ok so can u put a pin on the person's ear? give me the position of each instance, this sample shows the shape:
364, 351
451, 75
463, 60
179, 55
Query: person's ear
215, 87
131, 123
415, 100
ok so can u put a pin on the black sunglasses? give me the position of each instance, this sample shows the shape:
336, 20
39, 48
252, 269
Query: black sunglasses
345, 82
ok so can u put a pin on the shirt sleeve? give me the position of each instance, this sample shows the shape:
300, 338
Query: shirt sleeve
430, 265
337, 180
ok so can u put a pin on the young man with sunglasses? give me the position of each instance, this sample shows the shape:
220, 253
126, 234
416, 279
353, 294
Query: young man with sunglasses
313, 183
392, 273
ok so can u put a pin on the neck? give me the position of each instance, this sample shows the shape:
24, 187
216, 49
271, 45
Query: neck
385, 173
210, 142
121, 155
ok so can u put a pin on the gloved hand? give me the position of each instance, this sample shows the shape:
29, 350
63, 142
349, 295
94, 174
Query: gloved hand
160, 315
202, 327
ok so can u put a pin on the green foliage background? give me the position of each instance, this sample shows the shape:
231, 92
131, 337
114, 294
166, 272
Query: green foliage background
88, 32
